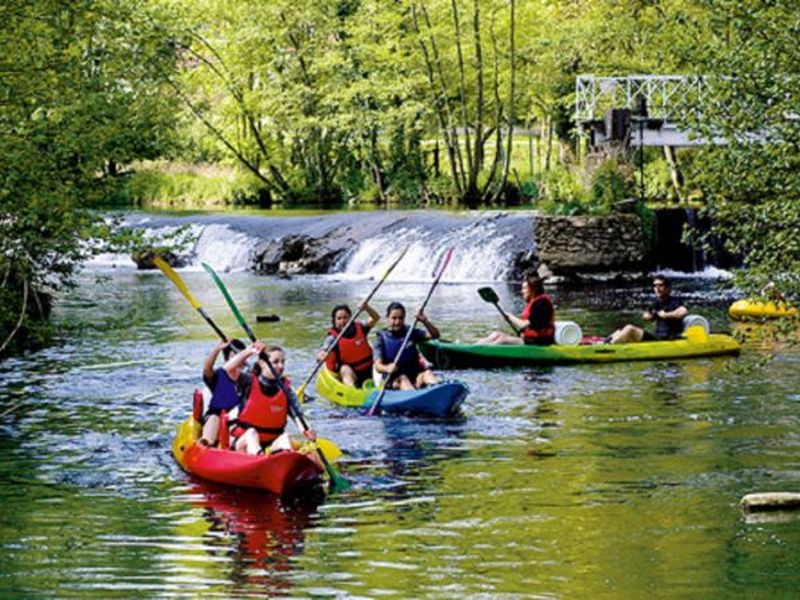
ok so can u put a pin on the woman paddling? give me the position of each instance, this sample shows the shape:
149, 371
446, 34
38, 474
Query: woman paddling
537, 321
407, 371
351, 358
263, 417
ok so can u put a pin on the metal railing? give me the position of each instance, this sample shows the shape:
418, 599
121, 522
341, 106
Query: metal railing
666, 96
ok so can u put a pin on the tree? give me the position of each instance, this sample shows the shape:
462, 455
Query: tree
752, 184
75, 81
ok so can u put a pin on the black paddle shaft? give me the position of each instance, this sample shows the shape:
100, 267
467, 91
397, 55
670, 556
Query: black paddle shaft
489, 295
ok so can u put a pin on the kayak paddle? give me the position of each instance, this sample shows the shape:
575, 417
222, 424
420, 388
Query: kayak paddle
176, 279
338, 483
331, 450
489, 295
332, 345
445, 261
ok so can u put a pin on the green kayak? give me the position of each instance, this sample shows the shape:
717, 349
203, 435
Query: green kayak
449, 355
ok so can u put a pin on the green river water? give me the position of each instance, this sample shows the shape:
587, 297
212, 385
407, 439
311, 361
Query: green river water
611, 481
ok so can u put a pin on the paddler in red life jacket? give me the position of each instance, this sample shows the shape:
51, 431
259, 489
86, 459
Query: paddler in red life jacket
537, 321
224, 393
407, 371
266, 407
352, 356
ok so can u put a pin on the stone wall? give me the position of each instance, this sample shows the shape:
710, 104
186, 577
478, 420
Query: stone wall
581, 246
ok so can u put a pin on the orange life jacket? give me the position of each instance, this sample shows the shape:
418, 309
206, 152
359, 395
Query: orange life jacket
545, 333
266, 414
354, 351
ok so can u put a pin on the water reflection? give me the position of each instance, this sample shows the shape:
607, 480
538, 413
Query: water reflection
259, 534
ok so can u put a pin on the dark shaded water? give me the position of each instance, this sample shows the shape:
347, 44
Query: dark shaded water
589, 481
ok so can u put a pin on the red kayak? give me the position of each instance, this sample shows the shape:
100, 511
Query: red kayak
281, 472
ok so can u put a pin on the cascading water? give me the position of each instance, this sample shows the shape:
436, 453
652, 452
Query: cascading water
489, 246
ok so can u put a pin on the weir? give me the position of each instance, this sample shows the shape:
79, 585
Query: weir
490, 245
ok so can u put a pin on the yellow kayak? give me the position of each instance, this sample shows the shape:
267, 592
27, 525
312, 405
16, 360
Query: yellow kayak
756, 309
331, 387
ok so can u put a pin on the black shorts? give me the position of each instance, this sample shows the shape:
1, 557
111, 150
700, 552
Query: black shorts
363, 376
651, 337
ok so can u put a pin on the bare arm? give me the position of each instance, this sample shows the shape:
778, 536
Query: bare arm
234, 365
208, 366
374, 317
678, 313
433, 331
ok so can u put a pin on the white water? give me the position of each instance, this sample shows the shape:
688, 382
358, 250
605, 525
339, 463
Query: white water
707, 273
481, 253
485, 244
218, 245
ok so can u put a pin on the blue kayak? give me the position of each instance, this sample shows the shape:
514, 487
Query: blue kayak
440, 400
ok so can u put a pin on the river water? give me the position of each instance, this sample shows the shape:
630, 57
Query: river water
610, 481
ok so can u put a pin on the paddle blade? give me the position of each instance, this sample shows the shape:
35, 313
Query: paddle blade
229, 299
338, 483
331, 451
176, 279
301, 393
487, 294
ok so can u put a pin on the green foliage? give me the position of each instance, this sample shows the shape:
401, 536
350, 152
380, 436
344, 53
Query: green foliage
163, 184
610, 186
80, 93
753, 186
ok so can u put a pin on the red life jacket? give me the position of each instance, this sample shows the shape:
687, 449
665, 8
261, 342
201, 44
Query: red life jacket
266, 414
354, 351
543, 334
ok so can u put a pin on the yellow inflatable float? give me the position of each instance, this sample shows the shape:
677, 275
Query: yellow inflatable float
757, 309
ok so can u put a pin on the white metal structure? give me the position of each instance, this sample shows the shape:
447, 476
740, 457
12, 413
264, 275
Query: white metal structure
664, 95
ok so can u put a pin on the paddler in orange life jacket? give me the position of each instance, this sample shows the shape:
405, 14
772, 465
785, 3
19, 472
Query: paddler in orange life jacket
352, 356
537, 321
407, 371
265, 411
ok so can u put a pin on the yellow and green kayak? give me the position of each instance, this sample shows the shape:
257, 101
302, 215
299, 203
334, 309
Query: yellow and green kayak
448, 355
756, 309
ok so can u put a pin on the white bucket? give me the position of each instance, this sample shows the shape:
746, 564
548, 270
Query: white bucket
693, 320
568, 333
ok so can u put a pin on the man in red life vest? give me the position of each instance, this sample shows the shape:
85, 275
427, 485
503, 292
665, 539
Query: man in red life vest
351, 358
267, 405
537, 321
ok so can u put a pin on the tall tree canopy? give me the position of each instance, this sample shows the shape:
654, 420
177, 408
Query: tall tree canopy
752, 184
79, 90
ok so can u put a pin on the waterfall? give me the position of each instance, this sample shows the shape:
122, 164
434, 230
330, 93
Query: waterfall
488, 245
486, 248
